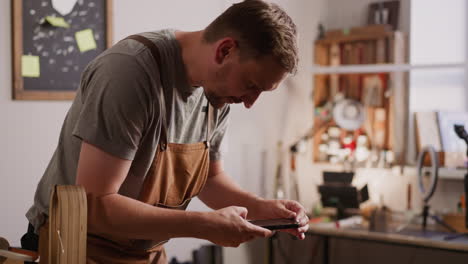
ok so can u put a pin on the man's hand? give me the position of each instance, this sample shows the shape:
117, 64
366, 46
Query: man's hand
228, 227
270, 209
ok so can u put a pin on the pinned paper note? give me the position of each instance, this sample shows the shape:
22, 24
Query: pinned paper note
64, 7
30, 66
85, 40
57, 21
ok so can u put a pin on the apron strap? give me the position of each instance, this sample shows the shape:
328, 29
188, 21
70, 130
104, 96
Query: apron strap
157, 57
209, 119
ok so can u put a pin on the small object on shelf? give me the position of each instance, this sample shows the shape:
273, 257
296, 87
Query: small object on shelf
349, 143
389, 158
335, 55
362, 151
349, 114
373, 90
324, 112
334, 132
427, 130
381, 56
379, 128
321, 31
384, 13
451, 143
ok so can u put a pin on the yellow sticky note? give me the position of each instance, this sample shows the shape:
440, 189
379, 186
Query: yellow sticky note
57, 21
85, 40
30, 66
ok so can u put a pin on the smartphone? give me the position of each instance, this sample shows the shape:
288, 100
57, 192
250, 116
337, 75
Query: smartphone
275, 224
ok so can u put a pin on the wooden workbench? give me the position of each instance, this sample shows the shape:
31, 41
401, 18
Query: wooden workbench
336, 246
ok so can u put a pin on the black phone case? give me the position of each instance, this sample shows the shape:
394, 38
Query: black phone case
276, 224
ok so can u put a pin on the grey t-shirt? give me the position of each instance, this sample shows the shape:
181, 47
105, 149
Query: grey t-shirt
120, 107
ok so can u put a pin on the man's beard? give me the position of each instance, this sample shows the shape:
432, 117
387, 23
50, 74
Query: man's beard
220, 80
215, 101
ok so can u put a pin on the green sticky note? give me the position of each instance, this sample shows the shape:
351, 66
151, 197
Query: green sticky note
85, 40
57, 21
30, 66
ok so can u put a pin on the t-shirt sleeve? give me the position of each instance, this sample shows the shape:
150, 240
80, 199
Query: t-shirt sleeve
116, 105
218, 141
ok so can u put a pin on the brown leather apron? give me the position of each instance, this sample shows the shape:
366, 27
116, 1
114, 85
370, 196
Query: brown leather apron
177, 174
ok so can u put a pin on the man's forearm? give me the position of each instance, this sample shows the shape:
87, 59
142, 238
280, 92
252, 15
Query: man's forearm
221, 191
128, 218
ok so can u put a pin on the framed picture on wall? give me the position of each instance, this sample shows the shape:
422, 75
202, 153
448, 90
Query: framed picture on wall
53, 41
386, 13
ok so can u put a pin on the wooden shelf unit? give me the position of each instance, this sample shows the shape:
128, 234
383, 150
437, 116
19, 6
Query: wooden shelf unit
370, 45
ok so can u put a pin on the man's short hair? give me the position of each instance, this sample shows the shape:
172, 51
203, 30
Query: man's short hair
260, 29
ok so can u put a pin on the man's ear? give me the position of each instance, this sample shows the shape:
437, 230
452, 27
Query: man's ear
225, 49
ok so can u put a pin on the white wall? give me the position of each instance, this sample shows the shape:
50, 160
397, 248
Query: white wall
28, 135
30, 129
445, 42
438, 40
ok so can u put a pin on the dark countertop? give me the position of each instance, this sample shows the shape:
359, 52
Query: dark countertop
412, 236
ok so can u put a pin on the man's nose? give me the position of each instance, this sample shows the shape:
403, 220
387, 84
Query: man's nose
249, 99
